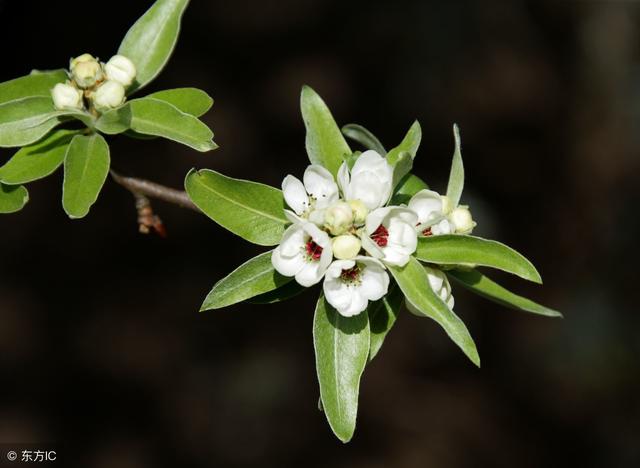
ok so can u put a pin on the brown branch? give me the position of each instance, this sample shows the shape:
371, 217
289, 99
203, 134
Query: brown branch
142, 190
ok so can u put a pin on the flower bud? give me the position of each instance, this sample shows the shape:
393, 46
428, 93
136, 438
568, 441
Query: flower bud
86, 71
461, 218
360, 211
447, 206
66, 97
338, 218
119, 68
346, 246
110, 94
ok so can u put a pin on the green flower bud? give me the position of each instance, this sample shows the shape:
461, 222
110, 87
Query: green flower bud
86, 71
110, 94
346, 247
461, 218
66, 97
119, 68
360, 211
338, 218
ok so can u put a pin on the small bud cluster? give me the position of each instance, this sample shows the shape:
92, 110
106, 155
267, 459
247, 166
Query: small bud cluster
93, 85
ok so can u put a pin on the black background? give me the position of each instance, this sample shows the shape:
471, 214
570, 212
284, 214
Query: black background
103, 351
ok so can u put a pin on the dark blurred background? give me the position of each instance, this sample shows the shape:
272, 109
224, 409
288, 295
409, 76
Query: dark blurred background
104, 354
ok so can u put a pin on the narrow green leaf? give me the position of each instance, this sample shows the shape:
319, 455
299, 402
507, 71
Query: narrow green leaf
287, 291
25, 121
483, 286
39, 160
250, 210
382, 317
189, 100
86, 167
402, 167
363, 136
12, 198
115, 121
325, 144
154, 117
410, 144
150, 41
471, 251
254, 277
414, 283
456, 176
35, 84
341, 347
407, 188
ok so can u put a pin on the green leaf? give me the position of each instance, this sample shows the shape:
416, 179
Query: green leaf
12, 198
116, 120
154, 117
410, 144
257, 276
363, 136
188, 100
325, 144
38, 160
250, 210
25, 121
289, 290
407, 188
414, 283
456, 176
402, 167
86, 167
382, 317
471, 251
35, 84
150, 41
483, 286
342, 348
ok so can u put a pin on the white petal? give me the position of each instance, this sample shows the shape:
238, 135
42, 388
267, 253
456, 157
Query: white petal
294, 218
442, 227
375, 219
451, 302
402, 235
295, 194
292, 241
371, 247
436, 279
320, 184
319, 237
343, 180
375, 282
317, 217
427, 204
367, 161
395, 255
286, 265
369, 189
358, 304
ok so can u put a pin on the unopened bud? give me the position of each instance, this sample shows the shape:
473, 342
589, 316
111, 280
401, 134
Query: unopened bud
461, 218
66, 97
346, 247
86, 71
338, 218
119, 68
360, 211
110, 94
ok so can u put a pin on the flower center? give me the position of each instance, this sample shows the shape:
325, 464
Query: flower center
351, 276
427, 232
314, 251
380, 236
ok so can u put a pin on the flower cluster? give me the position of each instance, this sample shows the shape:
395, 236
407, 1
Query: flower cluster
347, 232
94, 85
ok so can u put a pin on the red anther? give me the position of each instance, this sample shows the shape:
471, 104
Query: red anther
352, 274
314, 251
427, 232
380, 236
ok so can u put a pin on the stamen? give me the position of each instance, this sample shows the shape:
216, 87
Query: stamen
427, 232
380, 236
314, 251
351, 276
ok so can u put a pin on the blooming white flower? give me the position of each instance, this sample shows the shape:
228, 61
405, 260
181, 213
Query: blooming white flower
119, 68
86, 71
349, 285
309, 199
391, 234
304, 252
110, 94
436, 215
370, 180
346, 246
440, 285
66, 97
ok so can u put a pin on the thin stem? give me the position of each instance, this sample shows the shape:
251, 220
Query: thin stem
153, 190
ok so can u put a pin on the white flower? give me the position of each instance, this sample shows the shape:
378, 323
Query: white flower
370, 181
432, 210
309, 200
346, 246
304, 252
110, 94
119, 68
338, 218
86, 71
391, 234
349, 285
66, 97
440, 285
